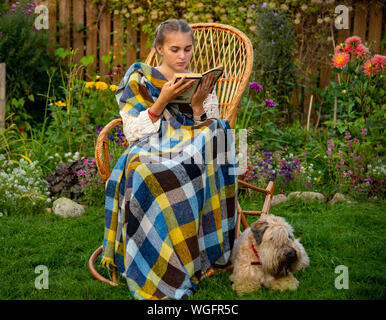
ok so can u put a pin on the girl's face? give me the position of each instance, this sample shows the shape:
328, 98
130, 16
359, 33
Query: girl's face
176, 50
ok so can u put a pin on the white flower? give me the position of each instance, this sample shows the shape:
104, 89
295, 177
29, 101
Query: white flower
56, 155
304, 7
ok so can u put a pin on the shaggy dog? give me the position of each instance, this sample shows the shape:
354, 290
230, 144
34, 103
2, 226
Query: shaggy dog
267, 254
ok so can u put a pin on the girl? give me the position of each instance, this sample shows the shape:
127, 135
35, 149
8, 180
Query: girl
170, 208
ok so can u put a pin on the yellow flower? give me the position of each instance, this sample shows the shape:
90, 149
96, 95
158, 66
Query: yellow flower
113, 87
100, 85
98, 77
60, 103
90, 84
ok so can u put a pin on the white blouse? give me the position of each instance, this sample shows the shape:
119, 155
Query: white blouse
135, 128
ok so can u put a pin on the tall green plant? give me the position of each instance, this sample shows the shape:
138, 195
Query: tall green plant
24, 50
274, 50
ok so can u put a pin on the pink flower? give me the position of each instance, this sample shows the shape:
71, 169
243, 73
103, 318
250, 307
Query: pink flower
379, 61
341, 162
364, 131
337, 167
347, 135
340, 153
309, 184
81, 173
83, 182
360, 51
358, 158
370, 68
352, 42
345, 174
340, 60
100, 180
85, 161
304, 154
349, 144
329, 151
339, 48
355, 140
110, 155
350, 172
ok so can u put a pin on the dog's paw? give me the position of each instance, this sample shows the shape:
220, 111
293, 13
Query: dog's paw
285, 283
245, 285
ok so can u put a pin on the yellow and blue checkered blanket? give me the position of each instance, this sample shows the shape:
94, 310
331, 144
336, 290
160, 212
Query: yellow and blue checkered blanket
170, 207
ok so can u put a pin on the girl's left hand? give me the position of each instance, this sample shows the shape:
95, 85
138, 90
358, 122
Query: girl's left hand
203, 90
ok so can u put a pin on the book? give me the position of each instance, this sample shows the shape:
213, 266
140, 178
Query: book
186, 97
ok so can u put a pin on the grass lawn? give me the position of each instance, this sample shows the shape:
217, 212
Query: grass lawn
352, 235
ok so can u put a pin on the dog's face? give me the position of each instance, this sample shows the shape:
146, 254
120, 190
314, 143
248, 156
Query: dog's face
280, 253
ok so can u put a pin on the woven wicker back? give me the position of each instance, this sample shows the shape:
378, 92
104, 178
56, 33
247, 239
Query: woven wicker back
216, 44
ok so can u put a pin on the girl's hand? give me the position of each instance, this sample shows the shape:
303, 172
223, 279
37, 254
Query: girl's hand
170, 91
205, 87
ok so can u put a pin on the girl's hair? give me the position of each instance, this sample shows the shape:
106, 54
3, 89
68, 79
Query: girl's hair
170, 25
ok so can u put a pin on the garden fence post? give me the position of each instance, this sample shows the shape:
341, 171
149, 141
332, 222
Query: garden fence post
2, 96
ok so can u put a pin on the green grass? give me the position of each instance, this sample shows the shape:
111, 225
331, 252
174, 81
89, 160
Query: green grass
342, 234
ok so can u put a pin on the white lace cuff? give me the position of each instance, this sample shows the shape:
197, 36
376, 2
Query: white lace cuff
135, 128
211, 106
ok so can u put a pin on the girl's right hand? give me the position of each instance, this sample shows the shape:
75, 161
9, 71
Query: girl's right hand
170, 91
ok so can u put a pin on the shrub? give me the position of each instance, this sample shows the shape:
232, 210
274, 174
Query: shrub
26, 68
22, 187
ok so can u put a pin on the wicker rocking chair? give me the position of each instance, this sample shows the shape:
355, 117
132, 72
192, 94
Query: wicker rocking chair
215, 44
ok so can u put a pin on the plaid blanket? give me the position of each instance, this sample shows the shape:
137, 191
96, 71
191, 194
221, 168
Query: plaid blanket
170, 207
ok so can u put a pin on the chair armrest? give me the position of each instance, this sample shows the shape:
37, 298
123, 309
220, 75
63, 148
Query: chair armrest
102, 149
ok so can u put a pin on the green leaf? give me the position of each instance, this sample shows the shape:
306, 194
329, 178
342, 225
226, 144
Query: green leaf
86, 60
62, 53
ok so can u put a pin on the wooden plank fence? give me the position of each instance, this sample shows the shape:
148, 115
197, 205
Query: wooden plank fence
91, 29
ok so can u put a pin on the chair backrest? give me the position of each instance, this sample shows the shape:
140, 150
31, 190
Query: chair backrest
216, 44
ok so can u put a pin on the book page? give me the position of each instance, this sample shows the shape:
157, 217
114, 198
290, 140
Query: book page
186, 97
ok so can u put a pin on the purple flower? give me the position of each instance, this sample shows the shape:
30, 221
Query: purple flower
275, 14
253, 6
269, 103
255, 86
264, 5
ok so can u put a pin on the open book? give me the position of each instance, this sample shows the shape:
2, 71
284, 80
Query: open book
186, 97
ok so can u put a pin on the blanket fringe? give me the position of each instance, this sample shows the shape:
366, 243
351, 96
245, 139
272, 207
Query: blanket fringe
108, 262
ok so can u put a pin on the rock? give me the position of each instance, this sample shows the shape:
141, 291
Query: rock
307, 195
338, 197
278, 198
66, 208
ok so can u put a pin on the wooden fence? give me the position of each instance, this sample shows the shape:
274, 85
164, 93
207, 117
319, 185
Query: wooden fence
70, 19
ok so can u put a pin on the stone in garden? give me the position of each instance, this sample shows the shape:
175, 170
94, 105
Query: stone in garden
67, 208
338, 197
307, 195
278, 198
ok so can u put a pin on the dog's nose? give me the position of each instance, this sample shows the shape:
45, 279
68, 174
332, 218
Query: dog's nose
291, 256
